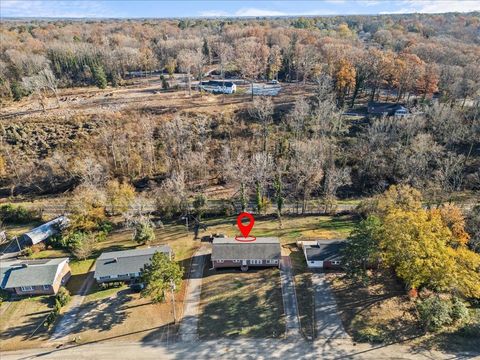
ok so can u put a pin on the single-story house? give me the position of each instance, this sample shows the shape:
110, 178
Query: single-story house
34, 277
219, 86
228, 252
386, 109
125, 265
46, 230
323, 254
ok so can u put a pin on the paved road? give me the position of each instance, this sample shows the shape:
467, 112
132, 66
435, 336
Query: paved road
238, 349
328, 322
289, 299
189, 324
69, 320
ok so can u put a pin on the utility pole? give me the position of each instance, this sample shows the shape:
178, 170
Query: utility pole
172, 288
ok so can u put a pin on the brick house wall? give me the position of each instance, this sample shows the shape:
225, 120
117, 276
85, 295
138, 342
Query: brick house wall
249, 263
60, 280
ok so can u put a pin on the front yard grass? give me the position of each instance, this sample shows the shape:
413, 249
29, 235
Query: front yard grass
378, 313
19, 318
235, 303
80, 270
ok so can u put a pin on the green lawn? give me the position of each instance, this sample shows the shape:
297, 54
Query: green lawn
79, 273
97, 293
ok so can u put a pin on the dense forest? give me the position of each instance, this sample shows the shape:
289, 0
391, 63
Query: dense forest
267, 150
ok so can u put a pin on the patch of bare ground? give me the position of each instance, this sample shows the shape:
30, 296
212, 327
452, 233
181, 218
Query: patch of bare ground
379, 312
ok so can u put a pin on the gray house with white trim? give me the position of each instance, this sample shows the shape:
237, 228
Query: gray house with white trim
125, 265
228, 252
34, 277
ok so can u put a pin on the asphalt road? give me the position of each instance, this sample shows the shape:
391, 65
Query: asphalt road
238, 349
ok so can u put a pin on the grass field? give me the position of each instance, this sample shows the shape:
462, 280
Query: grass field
21, 322
234, 303
117, 314
79, 274
379, 312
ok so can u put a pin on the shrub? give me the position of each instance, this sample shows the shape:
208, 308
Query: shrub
459, 311
50, 319
4, 295
370, 334
434, 313
63, 296
17, 91
144, 232
11, 214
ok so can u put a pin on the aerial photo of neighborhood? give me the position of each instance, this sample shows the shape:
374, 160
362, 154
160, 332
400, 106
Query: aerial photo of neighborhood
239, 179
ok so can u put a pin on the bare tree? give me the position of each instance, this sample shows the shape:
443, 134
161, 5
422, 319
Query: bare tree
251, 59
187, 60
40, 84
262, 110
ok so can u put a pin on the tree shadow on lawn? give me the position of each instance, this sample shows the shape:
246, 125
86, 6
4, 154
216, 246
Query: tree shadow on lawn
103, 314
354, 299
33, 321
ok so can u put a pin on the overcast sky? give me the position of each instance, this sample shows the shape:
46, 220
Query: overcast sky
160, 9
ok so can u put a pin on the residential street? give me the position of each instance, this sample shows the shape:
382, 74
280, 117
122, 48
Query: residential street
289, 298
69, 319
328, 322
189, 324
238, 349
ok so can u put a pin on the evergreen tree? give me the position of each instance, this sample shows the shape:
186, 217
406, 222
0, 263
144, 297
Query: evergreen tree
161, 275
99, 76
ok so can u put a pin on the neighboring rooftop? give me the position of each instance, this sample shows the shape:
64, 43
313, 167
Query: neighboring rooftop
127, 261
325, 250
231, 249
46, 230
17, 273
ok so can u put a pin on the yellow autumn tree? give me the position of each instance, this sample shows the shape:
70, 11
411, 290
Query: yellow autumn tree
414, 243
119, 196
87, 208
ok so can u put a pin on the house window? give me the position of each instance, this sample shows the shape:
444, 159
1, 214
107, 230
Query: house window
133, 274
220, 261
104, 277
46, 287
26, 288
236, 261
256, 262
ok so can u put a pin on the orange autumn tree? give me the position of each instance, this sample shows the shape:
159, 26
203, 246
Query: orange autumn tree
344, 79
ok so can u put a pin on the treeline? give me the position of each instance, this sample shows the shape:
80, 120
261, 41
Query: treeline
412, 54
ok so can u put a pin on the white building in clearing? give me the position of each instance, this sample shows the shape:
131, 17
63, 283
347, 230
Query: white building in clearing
219, 86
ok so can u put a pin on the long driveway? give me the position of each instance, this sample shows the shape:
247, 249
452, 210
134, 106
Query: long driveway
68, 320
289, 298
327, 319
189, 324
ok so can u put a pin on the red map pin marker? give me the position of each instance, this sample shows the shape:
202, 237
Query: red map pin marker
245, 229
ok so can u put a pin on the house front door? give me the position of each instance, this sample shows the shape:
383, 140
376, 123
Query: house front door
244, 262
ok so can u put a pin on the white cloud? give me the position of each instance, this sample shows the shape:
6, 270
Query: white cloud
65, 9
258, 12
436, 6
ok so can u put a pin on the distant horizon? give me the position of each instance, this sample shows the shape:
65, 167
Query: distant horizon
191, 9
